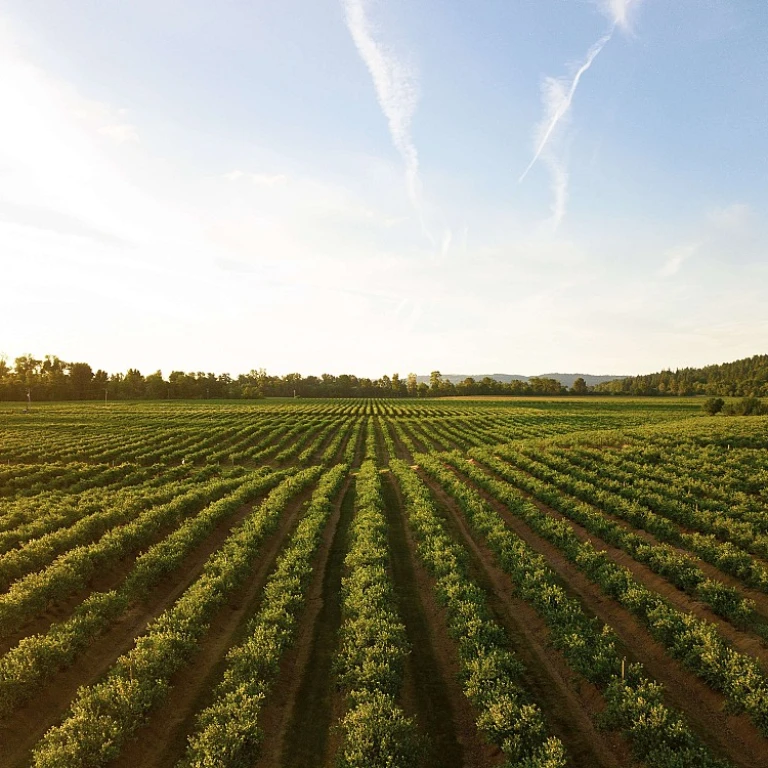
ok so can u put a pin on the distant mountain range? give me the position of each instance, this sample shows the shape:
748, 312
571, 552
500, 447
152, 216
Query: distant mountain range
566, 379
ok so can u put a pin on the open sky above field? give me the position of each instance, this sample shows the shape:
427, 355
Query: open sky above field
404, 185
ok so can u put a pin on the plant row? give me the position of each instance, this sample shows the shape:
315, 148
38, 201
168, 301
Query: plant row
102, 716
226, 732
696, 643
659, 735
372, 641
726, 556
36, 658
490, 673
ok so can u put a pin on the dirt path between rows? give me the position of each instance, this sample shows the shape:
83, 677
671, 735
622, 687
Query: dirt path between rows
162, 740
401, 452
743, 641
21, 730
360, 445
727, 735
569, 702
382, 453
425, 693
432, 693
304, 702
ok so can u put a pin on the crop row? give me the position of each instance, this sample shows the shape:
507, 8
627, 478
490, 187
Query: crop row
634, 703
71, 570
696, 643
718, 523
726, 556
25, 667
373, 643
226, 732
490, 672
102, 716
678, 568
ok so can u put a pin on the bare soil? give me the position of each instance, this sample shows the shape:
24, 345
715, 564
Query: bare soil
305, 702
570, 703
727, 735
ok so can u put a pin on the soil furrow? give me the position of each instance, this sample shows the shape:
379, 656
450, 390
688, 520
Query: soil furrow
162, 740
297, 716
569, 702
728, 735
425, 691
460, 729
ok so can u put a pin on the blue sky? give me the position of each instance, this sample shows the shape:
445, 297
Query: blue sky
355, 186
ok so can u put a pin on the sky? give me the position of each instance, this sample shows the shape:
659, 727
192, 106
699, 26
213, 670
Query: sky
379, 186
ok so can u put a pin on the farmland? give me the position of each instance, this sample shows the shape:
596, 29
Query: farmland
359, 582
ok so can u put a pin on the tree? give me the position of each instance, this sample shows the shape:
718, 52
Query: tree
713, 405
156, 387
579, 387
133, 384
80, 376
412, 385
435, 380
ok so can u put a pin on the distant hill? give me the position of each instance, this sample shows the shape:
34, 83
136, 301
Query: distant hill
742, 378
566, 379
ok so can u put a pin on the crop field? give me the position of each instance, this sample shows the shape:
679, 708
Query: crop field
338, 583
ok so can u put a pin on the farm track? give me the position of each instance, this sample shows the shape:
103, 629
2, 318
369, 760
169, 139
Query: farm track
23, 729
569, 705
431, 692
728, 735
304, 702
162, 740
401, 452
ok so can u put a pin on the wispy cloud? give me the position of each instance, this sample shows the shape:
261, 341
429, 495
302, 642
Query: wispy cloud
557, 97
618, 11
732, 218
396, 89
676, 257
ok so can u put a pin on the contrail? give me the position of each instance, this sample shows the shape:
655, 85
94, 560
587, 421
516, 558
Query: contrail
557, 96
398, 94
396, 91
558, 103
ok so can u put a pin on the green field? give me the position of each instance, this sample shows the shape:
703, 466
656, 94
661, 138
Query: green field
447, 582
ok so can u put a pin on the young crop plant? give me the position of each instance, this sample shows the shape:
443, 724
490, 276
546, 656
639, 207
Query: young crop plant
25, 667
226, 732
659, 736
102, 716
490, 672
373, 643
697, 644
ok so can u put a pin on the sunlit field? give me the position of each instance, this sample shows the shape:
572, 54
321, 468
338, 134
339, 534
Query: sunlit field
477, 582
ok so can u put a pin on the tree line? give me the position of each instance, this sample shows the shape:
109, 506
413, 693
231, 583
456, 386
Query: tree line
51, 379
742, 378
